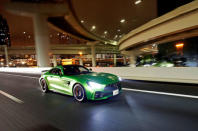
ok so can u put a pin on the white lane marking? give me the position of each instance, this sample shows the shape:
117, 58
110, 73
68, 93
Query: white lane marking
161, 93
23, 76
11, 97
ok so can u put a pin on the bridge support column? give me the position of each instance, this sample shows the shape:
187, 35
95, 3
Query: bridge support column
41, 40
124, 60
6, 55
115, 60
54, 61
132, 60
93, 55
81, 61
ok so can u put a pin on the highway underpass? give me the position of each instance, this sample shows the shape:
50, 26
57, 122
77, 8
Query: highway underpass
142, 106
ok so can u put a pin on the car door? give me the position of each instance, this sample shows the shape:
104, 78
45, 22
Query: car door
50, 79
68, 80
54, 78
67, 84
58, 82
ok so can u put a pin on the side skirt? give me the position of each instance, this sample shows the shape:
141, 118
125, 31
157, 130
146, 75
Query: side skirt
59, 92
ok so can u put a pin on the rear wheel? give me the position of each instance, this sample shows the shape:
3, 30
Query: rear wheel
44, 86
79, 93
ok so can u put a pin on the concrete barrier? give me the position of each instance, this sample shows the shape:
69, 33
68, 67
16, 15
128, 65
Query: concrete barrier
172, 74
24, 70
164, 74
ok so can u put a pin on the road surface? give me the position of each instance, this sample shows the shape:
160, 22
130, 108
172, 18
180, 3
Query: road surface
23, 107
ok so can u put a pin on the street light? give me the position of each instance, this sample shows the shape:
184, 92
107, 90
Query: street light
80, 53
93, 27
138, 1
122, 20
179, 45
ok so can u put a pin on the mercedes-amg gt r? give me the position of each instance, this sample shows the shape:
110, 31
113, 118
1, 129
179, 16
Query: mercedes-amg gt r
80, 82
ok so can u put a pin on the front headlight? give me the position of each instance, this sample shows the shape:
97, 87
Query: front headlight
169, 65
119, 78
94, 85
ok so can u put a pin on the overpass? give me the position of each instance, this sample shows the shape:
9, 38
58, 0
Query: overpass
59, 16
178, 24
59, 49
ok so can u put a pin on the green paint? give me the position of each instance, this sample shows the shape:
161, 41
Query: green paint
64, 83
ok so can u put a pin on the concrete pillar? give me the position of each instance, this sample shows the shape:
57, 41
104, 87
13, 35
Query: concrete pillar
6, 55
93, 55
103, 56
41, 40
81, 61
54, 61
132, 60
124, 60
114, 60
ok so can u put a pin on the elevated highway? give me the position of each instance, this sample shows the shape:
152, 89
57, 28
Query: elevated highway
60, 17
178, 24
64, 49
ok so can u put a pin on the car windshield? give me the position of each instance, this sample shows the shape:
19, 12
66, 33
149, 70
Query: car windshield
75, 70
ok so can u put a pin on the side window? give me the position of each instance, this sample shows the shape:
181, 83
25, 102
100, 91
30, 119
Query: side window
52, 71
70, 70
55, 71
58, 72
82, 69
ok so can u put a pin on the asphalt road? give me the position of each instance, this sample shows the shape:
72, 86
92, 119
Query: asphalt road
23, 107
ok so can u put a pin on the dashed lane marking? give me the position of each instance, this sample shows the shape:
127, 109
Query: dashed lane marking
11, 97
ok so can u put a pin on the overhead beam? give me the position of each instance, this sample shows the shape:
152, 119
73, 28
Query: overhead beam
69, 49
26, 9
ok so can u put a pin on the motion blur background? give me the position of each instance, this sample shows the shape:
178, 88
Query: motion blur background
104, 21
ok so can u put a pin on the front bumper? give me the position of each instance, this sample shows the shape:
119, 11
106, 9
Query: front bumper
108, 91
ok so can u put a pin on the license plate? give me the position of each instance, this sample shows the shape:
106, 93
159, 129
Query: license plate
115, 92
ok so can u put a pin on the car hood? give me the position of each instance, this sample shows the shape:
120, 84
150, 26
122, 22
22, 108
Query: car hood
101, 78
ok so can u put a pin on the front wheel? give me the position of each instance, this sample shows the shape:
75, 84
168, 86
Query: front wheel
79, 93
44, 86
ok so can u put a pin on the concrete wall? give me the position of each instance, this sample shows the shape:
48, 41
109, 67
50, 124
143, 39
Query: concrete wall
173, 74
24, 70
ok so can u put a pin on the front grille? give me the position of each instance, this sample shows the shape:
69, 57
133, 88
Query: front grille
99, 94
112, 87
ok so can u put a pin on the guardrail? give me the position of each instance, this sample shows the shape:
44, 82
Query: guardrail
164, 74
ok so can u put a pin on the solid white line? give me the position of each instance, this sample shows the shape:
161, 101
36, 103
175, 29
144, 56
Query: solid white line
11, 97
23, 76
161, 93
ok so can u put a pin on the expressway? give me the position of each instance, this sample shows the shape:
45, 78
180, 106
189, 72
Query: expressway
23, 107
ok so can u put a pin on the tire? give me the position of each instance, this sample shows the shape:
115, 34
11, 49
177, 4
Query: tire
79, 93
44, 86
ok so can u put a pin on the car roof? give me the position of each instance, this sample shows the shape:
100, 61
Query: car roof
70, 65
64, 66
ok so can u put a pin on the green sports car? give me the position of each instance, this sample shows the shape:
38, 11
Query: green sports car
80, 82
